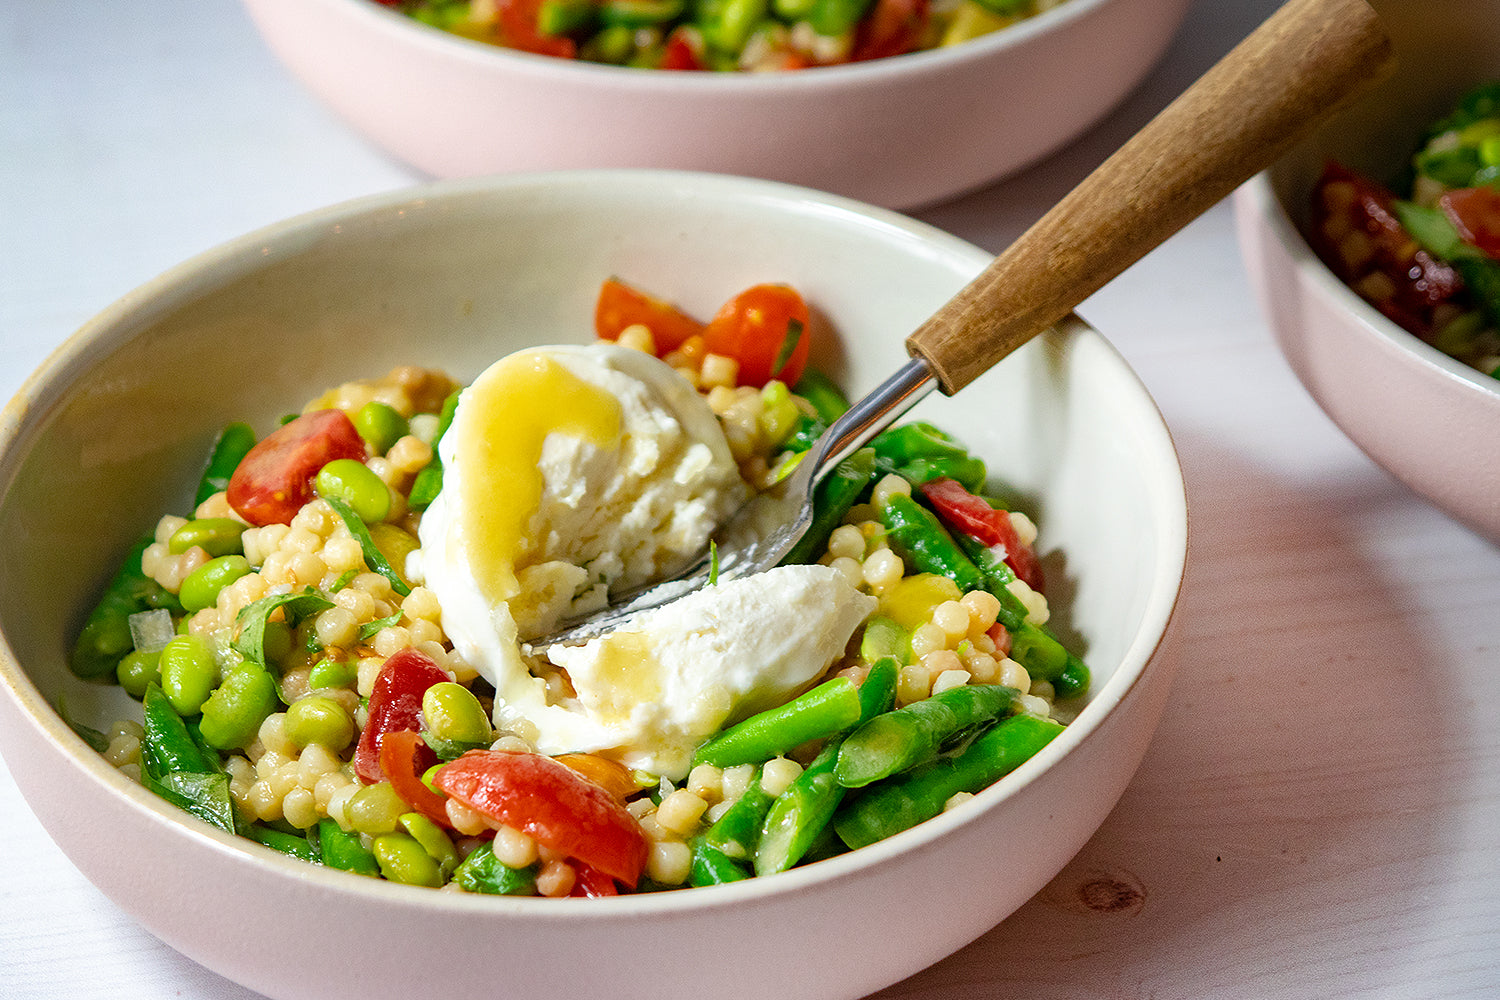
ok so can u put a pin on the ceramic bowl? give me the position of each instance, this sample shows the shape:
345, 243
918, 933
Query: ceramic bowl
1431, 421
455, 275
899, 132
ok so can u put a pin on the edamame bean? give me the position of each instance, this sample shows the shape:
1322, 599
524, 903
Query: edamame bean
218, 536
188, 673
138, 671
375, 809
319, 719
402, 859
433, 840
332, 674
453, 713
353, 482
380, 425
201, 587
233, 714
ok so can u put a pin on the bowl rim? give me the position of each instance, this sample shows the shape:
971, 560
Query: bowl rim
48, 383
1265, 207
403, 30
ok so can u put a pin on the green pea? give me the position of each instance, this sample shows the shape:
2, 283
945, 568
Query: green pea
319, 719
218, 536
451, 712
332, 673
353, 482
402, 859
233, 714
375, 809
138, 671
434, 841
189, 673
380, 425
201, 588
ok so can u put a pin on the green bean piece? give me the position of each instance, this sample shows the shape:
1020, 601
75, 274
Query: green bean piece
433, 840
138, 671
482, 872
233, 714
805, 432
827, 709
818, 389
563, 17
231, 446
639, 13
916, 534
258, 638
1036, 649
105, 637
885, 637
877, 692
997, 577
299, 847
834, 496
189, 673
736, 833
831, 18
344, 850
429, 480
451, 712
402, 859
357, 485
200, 588
799, 814
1073, 681
712, 866
317, 718
728, 24
374, 558
901, 802
898, 740
167, 745
968, 470
203, 795
905, 443
380, 425
218, 536
376, 809
332, 673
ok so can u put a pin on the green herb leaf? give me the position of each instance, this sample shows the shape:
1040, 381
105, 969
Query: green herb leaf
374, 558
713, 563
368, 629
794, 331
252, 619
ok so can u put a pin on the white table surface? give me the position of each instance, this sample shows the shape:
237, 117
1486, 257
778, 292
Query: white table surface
1319, 813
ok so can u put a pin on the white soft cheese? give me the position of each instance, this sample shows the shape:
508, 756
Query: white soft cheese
650, 692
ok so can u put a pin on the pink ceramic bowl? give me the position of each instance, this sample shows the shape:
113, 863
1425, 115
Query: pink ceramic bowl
898, 132
108, 433
1431, 421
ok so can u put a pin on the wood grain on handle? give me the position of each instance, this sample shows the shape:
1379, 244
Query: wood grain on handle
1310, 58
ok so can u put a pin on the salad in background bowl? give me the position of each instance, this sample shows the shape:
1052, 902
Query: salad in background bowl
1421, 404
471, 271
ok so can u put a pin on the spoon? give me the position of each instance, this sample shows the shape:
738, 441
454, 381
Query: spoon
1306, 61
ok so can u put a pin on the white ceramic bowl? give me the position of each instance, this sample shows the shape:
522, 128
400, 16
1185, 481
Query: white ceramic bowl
110, 431
1431, 421
899, 132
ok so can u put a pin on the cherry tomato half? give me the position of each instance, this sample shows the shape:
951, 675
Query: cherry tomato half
555, 805
1475, 212
620, 305
274, 479
765, 329
891, 28
395, 705
404, 758
518, 29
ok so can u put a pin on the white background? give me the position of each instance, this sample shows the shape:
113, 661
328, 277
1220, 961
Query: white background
1319, 814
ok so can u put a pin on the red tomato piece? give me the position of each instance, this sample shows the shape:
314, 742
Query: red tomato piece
620, 305
970, 514
395, 706
1356, 233
591, 882
681, 53
558, 807
891, 28
1475, 212
761, 326
404, 758
275, 478
518, 29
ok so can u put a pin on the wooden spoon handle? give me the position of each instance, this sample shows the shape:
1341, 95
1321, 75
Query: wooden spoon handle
1310, 58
